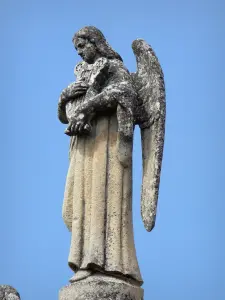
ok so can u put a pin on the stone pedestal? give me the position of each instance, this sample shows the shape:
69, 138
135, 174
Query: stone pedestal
100, 287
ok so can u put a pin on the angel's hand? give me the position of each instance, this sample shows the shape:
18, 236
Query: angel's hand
74, 90
81, 85
78, 128
81, 127
77, 88
78, 125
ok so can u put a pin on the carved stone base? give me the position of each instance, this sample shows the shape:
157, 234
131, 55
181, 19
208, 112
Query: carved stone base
100, 287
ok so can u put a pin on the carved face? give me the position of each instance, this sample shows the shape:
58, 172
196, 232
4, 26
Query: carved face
86, 50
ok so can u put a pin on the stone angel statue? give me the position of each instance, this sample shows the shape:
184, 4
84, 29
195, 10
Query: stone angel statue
101, 109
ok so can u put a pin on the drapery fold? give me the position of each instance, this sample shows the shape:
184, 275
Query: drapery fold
97, 204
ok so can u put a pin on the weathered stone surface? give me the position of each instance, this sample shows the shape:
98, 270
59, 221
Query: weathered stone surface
98, 196
101, 288
150, 115
7, 292
101, 109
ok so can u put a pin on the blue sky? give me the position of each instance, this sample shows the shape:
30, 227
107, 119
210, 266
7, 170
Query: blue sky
184, 257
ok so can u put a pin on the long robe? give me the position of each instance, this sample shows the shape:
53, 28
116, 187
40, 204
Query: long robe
97, 204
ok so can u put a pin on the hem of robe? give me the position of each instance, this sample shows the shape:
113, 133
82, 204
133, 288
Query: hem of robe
96, 268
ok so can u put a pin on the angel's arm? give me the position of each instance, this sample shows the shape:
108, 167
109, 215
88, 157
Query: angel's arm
119, 90
71, 92
62, 114
107, 99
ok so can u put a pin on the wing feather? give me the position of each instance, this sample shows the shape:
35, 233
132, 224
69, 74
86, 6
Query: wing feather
150, 116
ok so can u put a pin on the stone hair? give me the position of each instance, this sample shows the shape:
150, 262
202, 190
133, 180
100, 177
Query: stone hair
96, 37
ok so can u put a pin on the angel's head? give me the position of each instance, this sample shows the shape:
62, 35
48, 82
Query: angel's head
91, 44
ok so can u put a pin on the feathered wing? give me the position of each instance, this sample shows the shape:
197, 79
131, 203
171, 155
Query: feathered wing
150, 116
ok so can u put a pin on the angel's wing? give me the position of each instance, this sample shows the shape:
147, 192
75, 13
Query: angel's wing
150, 116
